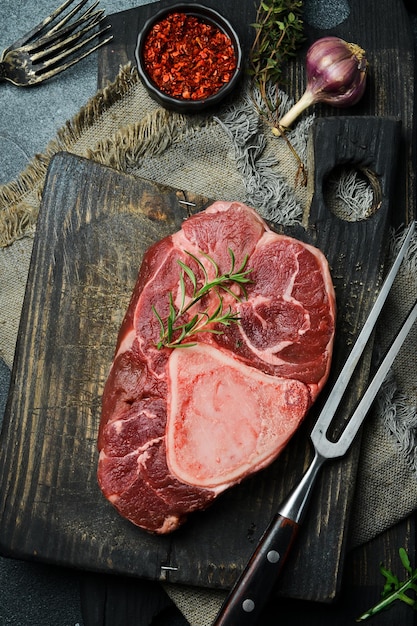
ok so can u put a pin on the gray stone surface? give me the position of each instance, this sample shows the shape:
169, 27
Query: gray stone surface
33, 594
30, 117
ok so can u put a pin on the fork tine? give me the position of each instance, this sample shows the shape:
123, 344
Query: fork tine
43, 45
44, 75
70, 15
35, 32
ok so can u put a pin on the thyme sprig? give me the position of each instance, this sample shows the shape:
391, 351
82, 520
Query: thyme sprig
394, 589
279, 33
173, 331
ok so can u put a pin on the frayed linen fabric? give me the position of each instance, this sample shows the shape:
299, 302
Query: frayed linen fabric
230, 156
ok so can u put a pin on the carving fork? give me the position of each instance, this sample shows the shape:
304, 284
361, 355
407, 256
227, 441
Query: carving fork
248, 597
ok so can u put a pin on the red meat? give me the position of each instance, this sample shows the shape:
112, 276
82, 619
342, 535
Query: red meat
181, 425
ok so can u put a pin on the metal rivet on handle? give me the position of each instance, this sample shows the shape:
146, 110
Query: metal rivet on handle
273, 556
248, 605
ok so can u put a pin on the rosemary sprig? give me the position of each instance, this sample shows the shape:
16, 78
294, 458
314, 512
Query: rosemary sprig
279, 33
394, 589
173, 331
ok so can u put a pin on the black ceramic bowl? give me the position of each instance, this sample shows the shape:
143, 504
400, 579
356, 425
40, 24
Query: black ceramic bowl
179, 104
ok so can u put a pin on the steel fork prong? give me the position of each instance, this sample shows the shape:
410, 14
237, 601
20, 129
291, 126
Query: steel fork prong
37, 30
44, 75
58, 42
43, 46
60, 25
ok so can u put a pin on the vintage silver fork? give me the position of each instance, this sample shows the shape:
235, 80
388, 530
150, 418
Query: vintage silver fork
45, 52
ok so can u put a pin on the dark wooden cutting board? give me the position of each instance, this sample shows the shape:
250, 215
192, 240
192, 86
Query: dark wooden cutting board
92, 231
381, 27
94, 226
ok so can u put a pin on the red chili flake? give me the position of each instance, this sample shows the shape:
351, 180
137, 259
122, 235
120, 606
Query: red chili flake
188, 58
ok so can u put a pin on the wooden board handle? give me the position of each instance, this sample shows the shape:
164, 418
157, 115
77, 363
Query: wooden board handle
367, 143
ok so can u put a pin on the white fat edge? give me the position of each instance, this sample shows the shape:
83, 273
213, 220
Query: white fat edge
181, 243
269, 355
184, 245
270, 236
221, 206
126, 343
141, 453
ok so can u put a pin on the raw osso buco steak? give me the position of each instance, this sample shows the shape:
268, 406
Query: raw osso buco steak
181, 425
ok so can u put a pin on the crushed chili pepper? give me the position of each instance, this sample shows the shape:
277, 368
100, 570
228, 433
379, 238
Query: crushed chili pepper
188, 58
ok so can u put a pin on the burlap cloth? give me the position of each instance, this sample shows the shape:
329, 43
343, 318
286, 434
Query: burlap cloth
228, 156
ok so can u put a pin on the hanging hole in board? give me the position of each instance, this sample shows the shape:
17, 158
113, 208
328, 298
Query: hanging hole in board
352, 193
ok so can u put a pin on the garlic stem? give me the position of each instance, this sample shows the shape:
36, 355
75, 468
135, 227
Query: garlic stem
303, 103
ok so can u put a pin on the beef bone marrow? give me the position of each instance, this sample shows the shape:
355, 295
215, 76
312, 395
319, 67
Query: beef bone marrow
203, 448
181, 425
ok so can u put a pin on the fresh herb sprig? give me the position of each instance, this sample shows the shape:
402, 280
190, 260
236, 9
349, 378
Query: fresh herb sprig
173, 331
279, 33
394, 589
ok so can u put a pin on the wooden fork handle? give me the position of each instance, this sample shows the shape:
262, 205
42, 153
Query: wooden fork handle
245, 603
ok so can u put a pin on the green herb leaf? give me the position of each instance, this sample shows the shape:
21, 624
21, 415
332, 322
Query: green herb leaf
394, 589
405, 560
189, 273
279, 33
172, 331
